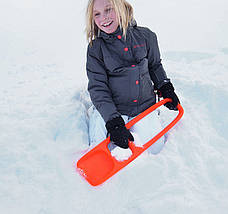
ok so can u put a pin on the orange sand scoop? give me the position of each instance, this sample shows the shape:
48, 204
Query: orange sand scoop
98, 164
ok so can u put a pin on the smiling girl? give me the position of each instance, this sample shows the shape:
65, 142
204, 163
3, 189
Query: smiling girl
124, 69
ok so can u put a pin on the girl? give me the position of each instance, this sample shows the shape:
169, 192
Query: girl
124, 68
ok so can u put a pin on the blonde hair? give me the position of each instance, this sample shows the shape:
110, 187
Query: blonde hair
124, 12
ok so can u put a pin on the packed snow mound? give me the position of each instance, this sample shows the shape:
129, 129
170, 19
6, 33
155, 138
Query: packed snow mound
121, 154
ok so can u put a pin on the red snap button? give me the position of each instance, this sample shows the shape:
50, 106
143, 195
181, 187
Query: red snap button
125, 49
119, 36
136, 82
135, 101
132, 65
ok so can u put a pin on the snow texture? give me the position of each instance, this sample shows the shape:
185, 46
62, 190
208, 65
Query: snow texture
44, 119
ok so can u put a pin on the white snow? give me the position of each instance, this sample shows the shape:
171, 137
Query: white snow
137, 141
121, 154
44, 121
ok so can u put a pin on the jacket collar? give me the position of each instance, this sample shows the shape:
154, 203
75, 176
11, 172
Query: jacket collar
112, 36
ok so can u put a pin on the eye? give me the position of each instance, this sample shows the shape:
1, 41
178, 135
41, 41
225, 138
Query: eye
96, 14
108, 10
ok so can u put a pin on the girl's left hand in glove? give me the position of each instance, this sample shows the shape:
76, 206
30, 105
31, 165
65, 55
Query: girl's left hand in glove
167, 91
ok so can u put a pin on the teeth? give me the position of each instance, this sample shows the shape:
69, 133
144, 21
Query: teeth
105, 25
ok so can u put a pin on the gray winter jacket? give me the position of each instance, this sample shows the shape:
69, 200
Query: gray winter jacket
120, 72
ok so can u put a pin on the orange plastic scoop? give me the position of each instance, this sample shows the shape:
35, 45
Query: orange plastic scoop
98, 164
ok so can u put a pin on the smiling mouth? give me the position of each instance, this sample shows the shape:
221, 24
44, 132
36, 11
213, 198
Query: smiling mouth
107, 24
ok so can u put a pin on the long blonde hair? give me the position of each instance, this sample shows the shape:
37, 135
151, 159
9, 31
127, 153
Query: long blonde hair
124, 12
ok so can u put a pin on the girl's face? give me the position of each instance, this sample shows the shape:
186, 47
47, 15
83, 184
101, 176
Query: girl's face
105, 16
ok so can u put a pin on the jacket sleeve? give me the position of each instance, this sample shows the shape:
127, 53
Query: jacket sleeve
98, 88
156, 70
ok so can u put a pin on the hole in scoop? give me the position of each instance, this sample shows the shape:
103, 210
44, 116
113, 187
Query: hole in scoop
118, 153
123, 154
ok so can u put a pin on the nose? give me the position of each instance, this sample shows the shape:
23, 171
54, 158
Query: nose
105, 16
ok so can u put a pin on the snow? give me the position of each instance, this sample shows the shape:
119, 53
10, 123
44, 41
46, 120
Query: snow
44, 120
121, 154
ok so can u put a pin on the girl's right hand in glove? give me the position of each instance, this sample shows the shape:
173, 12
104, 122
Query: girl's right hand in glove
119, 134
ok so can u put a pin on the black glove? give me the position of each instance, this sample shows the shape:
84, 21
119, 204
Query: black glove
167, 91
119, 134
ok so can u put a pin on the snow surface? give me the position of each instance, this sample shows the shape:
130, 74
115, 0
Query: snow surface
44, 121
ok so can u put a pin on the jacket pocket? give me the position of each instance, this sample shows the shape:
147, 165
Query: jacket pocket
113, 64
120, 86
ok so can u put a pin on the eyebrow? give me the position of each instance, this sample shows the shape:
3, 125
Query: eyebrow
108, 5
